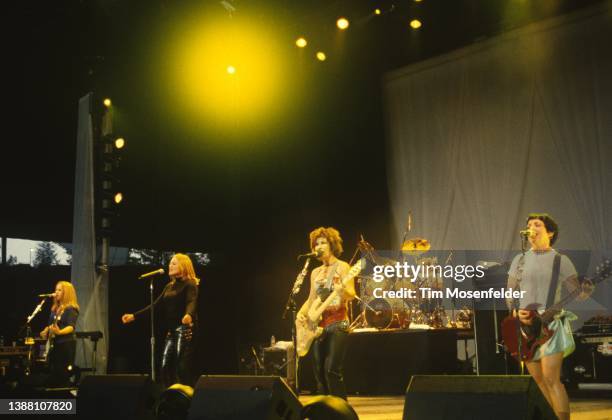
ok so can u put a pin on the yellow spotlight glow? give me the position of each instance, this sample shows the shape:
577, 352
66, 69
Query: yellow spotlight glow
418, 1
198, 63
120, 143
377, 11
107, 102
342, 23
301, 42
118, 198
415, 24
321, 56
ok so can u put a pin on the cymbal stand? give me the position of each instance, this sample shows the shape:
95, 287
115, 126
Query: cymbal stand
360, 320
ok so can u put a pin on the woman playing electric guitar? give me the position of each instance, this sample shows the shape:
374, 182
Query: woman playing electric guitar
542, 273
329, 349
61, 333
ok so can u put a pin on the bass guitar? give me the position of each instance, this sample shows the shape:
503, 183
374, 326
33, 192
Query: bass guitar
308, 330
537, 333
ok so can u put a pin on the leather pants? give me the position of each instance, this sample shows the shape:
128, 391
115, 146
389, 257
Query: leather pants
177, 357
328, 360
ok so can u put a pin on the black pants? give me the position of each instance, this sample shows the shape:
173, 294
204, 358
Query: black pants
328, 360
61, 359
177, 357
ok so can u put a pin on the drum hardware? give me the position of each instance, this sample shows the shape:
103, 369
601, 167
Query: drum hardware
415, 246
379, 313
465, 318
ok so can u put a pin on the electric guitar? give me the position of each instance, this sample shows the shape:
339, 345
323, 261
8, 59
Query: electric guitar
50, 338
308, 330
537, 333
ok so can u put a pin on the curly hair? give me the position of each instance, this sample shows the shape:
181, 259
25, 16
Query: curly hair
333, 237
549, 223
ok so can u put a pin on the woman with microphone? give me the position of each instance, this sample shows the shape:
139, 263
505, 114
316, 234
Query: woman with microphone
177, 305
60, 333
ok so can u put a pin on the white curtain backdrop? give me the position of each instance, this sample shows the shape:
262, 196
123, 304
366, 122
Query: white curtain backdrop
519, 123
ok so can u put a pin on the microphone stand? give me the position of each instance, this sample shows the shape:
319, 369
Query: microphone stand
291, 306
152, 329
29, 340
516, 303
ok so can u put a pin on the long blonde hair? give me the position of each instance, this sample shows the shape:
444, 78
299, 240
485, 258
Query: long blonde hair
186, 266
69, 297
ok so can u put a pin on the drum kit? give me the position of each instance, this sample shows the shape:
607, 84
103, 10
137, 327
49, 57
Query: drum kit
417, 312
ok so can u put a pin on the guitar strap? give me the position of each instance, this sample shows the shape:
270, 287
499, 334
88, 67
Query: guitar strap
554, 281
330, 275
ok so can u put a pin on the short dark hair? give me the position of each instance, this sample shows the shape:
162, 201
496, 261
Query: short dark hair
549, 223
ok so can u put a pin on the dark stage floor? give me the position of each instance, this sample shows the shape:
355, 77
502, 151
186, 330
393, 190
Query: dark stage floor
391, 408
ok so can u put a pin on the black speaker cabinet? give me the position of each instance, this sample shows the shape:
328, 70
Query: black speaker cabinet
116, 397
243, 397
475, 398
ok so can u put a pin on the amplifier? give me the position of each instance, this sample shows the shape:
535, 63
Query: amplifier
279, 360
13, 351
596, 328
591, 362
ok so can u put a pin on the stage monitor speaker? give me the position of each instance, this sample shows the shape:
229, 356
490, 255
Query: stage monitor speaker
243, 397
116, 397
475, 398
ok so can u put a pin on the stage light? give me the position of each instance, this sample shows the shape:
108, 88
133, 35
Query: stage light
377, 12
328, 407
205, 85
321, 56
418, 1
174, 403
119, 143
118, 198
107, 102
415, 24
301, 42
342, 23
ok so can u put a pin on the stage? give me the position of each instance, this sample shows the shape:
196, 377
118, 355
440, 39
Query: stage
392, 408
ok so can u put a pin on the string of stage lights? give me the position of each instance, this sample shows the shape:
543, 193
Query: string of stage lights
343, 23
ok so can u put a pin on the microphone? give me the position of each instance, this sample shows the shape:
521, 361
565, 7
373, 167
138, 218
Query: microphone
152, 273
47, 295
311, 254
527, 233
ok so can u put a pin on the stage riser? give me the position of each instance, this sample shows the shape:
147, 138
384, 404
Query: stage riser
382, 363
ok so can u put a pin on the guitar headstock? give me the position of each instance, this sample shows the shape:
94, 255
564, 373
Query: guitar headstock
357, 267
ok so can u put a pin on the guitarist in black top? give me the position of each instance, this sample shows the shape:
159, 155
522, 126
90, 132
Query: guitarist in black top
60, 334
542, 273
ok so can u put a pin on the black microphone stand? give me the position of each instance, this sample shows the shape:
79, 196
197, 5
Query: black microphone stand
516, 304
29, 340
291, 306
152, 329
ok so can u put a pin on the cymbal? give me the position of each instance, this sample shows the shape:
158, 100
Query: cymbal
416, 246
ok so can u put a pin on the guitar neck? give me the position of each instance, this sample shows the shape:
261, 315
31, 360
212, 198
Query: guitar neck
553, 310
